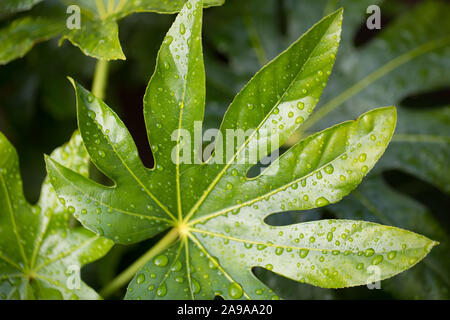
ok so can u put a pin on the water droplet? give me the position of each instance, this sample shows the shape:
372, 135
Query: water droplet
182, 28
195, 286
177, 266
90, 98
140, 278
299, 119
101, 153
162, 290
300, 105
71, 209
279, 251
391, 255
360, 266
235, 290
229, 186
377, 259
303, 253
320, 202
179, 279
329, 169
261, 246
369, 252
161, 261
330, 236
168, 40
362, 157
364, 169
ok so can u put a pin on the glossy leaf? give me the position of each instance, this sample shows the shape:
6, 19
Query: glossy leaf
98, 35
218, 212
40, 256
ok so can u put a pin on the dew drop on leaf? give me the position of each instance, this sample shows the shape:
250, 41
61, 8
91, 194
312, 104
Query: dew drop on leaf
162, 290
161, 261
140, 278
235, 290
303, 253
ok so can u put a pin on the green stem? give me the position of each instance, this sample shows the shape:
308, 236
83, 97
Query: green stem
100, 78
123, 278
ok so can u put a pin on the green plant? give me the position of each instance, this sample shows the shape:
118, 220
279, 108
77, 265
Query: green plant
214, 212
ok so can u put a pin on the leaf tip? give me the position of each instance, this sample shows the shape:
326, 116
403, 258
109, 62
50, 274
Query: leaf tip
72, 81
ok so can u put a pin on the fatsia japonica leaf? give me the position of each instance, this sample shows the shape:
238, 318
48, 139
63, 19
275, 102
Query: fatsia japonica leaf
40, 256
98, 31
216, 213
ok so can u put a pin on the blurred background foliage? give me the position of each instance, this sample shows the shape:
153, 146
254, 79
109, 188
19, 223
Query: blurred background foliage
406, 64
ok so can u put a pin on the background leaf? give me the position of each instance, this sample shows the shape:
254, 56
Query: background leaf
98, 36
39, 252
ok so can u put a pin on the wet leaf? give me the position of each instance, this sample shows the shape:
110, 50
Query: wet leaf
40, 256
98, 32
217, 212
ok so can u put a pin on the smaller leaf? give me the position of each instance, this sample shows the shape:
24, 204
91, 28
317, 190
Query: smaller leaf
97, 38
22, 34
11, 6
40, 256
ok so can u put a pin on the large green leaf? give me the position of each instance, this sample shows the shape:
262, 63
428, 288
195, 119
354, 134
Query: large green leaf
39, 253
216, 212
98, 35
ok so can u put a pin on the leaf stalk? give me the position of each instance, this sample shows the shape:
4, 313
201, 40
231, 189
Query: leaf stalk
100, 79
123, 278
